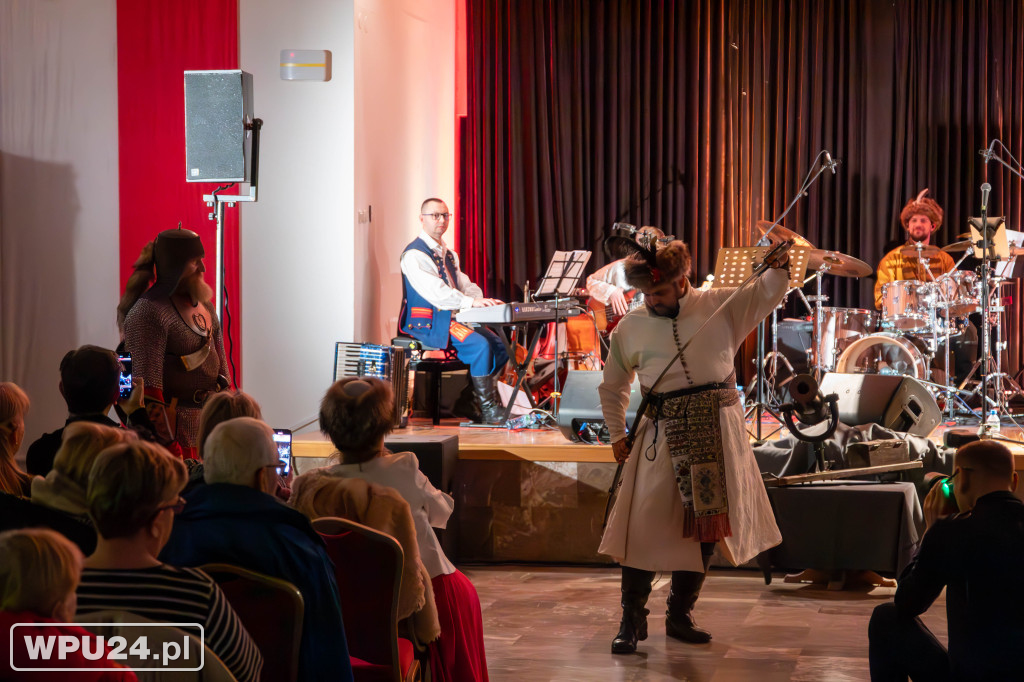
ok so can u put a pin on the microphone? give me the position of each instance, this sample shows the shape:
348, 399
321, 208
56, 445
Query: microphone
985, 189
988, 153
829, 163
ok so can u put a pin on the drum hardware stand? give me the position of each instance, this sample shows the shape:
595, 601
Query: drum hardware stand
761, 406
818, 299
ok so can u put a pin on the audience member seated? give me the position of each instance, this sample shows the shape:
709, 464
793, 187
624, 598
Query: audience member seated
235, 519
89, 383
977, 555
317, 495
39, 571
356, 414
133, 495
58, 501
13, 406
218, 408
222, 406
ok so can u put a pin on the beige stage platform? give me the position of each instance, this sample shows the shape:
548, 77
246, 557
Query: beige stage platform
536, 445
520, 496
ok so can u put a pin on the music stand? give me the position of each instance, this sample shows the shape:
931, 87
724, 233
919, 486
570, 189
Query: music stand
733, 266
563, 274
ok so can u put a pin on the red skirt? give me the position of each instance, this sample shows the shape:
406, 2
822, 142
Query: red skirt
458, 654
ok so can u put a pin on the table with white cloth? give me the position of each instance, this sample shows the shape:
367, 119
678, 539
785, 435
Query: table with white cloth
845, 525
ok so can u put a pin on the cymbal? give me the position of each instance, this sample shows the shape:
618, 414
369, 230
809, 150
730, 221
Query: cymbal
781, 234
957, 247
838, 263
927, 251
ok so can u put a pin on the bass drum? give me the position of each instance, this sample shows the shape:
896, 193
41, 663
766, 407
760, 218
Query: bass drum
883, 353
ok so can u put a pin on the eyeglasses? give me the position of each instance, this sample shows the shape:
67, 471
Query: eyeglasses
438, 217
177, 507
282, 468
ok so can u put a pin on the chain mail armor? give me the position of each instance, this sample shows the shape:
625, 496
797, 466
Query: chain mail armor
157, 338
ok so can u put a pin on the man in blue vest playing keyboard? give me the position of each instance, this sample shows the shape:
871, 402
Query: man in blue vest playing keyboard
434, 288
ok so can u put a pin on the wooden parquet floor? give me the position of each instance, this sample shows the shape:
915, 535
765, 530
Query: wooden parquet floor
546, 623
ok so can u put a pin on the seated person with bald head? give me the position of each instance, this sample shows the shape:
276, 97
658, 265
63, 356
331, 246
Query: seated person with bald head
977, 555
235, 519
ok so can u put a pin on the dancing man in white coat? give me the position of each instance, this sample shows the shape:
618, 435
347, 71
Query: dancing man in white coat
690, 479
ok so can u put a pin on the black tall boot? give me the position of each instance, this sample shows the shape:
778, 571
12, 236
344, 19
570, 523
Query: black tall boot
491, 409
682, 596
636, 587
468, 405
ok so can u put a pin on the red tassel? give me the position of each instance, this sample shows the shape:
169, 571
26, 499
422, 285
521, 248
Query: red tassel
713, 528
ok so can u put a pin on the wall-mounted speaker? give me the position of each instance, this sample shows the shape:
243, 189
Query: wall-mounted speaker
218, 108
581, 403
896, 402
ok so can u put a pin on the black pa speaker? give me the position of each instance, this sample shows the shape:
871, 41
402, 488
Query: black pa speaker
218, 107
896, 402
581, 403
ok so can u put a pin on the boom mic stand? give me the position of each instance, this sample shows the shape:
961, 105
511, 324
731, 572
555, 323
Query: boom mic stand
761, 405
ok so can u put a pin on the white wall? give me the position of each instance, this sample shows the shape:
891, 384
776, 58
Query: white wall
405, 144
58, 192
380, 134
296, 242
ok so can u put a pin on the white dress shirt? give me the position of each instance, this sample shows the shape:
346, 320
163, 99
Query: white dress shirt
423, 275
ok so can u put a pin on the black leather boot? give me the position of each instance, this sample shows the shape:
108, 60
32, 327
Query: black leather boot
468, 405
682, 596
491, 409
636, 587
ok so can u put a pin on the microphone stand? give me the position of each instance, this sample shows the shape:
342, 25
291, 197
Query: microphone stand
987, 248
761, 404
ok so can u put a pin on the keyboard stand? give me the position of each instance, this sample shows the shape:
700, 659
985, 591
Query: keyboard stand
507, 332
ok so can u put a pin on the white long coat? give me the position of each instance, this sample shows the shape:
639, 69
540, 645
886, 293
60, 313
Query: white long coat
645, 527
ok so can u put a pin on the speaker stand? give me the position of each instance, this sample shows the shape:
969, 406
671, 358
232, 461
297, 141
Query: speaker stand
218, 201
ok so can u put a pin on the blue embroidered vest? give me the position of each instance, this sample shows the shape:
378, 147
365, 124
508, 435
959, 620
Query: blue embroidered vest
419, 319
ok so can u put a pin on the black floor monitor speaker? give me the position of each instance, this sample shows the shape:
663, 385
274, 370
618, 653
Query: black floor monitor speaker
581, 403
218, 105
896, 402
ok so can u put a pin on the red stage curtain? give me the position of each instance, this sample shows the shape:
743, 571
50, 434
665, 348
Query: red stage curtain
156, 43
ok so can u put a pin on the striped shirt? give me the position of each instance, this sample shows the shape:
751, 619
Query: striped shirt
167, 594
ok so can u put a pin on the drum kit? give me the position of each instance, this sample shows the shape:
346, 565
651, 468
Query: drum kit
910, 336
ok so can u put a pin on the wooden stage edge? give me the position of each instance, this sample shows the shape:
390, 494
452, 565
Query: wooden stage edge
534, 445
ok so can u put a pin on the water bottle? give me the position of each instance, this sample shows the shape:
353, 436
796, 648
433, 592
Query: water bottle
992, 422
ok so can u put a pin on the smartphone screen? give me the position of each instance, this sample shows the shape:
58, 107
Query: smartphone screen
125, 381
283, 440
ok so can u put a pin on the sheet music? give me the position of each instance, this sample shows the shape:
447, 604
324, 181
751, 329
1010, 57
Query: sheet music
1005, 268
564, 273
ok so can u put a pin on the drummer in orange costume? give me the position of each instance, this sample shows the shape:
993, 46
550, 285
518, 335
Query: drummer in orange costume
920, 217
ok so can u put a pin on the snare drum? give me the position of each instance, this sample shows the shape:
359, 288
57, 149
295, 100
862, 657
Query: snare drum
839, 328
883, 353
959, 294
905, 304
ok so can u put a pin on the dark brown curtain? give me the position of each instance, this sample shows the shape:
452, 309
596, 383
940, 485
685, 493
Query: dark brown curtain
702, 117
